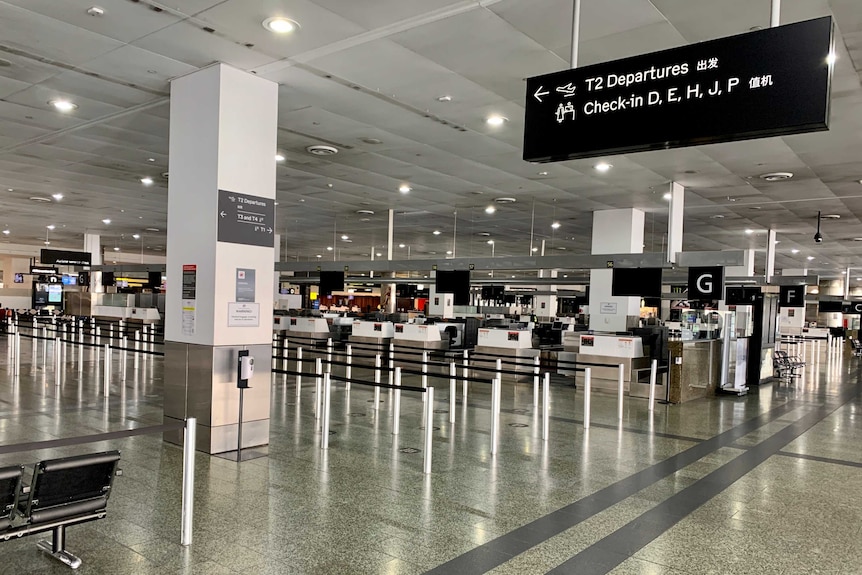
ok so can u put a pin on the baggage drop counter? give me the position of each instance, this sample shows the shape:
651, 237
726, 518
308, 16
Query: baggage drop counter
612, 350
508, 345
411, 340
371, 336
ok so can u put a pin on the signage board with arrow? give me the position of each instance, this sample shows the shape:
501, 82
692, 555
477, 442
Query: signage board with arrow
769, 82
245, 219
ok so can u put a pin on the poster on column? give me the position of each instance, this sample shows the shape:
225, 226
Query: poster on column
189, 299
240, 314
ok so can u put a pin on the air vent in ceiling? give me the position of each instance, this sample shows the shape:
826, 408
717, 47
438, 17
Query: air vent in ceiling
373, 141
321, 150
505, 200
366, 212
830, 217
40, 199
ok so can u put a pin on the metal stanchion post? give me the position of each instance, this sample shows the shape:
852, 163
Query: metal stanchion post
123, 358
396, 403
453, 372
546, 405
620, 391
286, 351
324, 444
466, 373
391, 363
348, 371
81, 356
188, 501
57, 361
536, 381
377, 381
499, 369
587, 384
653, 373
429, 421
329, 355
17, 354
318, 370
495, 414
107, 370
298, 371
424, 373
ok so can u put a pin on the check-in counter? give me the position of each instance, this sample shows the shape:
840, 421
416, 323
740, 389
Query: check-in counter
412, 339
303, 329
373, 337
142, 314
611, 350
509, 345
695, 368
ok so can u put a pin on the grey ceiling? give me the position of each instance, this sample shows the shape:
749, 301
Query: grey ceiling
360, 71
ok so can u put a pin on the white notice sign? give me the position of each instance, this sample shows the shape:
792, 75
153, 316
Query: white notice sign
243, 314
608, 308
189, 312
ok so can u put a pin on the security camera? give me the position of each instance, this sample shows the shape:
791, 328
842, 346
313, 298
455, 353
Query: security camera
818, 237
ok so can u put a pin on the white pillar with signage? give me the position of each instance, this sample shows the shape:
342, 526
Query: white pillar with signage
220, 253
614, 232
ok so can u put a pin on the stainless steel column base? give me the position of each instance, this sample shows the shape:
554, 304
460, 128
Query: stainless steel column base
62, 555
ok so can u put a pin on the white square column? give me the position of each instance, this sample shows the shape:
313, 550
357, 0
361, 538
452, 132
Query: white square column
220, 252
614, 232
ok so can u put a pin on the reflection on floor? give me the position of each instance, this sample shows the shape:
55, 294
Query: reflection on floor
599, 501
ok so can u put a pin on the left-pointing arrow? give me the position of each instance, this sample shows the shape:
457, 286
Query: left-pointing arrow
222, 213
538, 95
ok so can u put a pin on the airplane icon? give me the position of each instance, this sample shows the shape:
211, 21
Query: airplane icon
567, 91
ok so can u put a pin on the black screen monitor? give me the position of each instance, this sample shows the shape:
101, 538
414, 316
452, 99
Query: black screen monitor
330, 282
557, 325
457, 283
108, 279
636, 282
830, 306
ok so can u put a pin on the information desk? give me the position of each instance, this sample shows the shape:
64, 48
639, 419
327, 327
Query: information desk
510, 345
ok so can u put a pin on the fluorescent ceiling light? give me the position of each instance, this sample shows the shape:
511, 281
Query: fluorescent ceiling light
106, 221
136, 236
556, 225
51, 226
436, 232
57, 197
490, 210
794, 251
329, 248
603, 166
404, 188
496, 120
147, 181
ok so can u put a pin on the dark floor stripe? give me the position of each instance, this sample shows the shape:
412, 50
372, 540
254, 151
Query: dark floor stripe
67, 441
607, 554
821, 459
500, 550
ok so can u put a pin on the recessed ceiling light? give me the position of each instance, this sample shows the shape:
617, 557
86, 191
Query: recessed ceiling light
749, 231
378, 254
667, 196
116, 248
556, 225
318, 256
7, 232
404, 188
329, 248
444, 99
47, 243
490, 210
372, 141
136, 236
280, 25
490, 242
486, 234
151, 159
776, 176
603, 166
436, 232
51, 226
830, 217
448, 252
717, 217
496, 120
279, 158
106, 221
505, 200
96, 11
63, 105
560, 248
39, 199
366, 212
794, 251
402, 246
147, 181
810, 258
535, 249
57, 197
152, 229
543, 173
345, 237
321, 150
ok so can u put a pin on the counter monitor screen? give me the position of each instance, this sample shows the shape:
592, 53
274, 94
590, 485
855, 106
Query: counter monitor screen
455, 282
330, 282
636, 282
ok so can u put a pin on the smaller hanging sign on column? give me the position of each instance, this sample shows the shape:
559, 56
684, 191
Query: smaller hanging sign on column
189, 299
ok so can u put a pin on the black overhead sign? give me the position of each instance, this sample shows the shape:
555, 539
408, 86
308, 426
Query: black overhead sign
770, 82
852, 307
705, 283
244, 219
791, 296
65, 258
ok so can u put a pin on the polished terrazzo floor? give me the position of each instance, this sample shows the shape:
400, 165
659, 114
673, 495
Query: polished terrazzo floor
768, 483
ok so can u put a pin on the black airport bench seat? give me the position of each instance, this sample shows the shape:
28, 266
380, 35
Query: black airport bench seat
62, 492
786, 366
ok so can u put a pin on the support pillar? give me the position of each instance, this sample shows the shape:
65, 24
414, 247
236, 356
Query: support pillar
220, 254
614, 232
675, 220
93, 246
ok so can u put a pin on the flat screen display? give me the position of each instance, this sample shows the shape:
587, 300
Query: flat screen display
70, 280
636, 282
330, 282
455, 282
830, 307
55, 293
